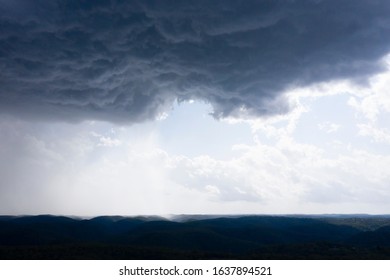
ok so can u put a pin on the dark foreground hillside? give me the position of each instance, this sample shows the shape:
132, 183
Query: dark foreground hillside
247, 237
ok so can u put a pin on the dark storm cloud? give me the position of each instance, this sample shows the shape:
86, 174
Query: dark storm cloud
127, 61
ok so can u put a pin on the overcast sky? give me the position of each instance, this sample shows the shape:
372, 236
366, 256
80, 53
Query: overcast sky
212, 107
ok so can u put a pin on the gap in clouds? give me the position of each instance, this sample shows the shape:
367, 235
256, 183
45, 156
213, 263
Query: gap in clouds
190, 130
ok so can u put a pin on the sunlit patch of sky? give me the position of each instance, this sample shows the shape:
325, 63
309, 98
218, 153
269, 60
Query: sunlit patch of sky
190, 130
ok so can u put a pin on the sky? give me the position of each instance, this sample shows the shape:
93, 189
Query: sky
194, 107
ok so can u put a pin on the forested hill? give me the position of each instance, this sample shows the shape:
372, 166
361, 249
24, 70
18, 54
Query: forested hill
195, 237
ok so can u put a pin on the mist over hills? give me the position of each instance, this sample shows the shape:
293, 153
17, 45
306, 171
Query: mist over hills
195, 237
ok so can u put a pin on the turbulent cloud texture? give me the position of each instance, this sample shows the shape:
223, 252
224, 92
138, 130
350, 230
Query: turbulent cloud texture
128, 61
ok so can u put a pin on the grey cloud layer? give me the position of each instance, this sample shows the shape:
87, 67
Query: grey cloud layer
127, 61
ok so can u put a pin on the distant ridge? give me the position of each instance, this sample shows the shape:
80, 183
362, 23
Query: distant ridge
196, 237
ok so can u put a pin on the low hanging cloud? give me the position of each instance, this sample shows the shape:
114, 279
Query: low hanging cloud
128, 61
